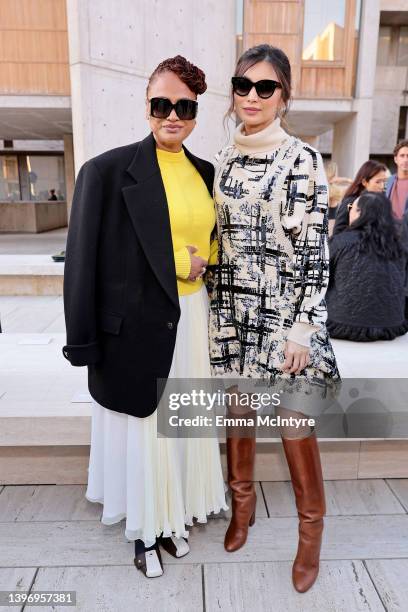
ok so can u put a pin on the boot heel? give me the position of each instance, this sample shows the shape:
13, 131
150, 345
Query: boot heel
252, 519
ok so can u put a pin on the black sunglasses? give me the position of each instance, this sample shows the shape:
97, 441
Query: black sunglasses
186, 109
264, 88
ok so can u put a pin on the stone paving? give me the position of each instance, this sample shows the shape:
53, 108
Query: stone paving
52, 538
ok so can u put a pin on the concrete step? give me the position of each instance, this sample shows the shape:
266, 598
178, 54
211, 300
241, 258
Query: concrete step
45, 416
30, 275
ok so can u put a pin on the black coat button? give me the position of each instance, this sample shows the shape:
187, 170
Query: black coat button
170, 325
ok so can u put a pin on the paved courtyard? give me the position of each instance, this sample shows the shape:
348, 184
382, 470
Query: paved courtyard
45, 243
51, 537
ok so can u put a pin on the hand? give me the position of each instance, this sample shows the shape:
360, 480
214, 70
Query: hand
198, 264
297, 357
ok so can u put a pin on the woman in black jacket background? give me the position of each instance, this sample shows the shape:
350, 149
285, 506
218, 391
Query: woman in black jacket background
372, 176
368, 270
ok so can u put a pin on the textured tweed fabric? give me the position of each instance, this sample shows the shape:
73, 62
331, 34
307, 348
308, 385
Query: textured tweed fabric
273, 268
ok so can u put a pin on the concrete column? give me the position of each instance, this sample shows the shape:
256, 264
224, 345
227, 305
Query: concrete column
351, 136
351, 139
114, 46
69, 170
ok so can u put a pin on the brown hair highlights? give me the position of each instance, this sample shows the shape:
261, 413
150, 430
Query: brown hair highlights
280, 62
402, 143
367, 171
187, 72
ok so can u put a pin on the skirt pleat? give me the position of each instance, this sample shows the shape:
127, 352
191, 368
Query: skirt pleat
158, 484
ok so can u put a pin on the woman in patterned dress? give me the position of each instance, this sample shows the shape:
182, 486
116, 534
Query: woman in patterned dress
268, 311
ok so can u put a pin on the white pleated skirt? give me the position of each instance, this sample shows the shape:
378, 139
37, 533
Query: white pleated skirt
158, 484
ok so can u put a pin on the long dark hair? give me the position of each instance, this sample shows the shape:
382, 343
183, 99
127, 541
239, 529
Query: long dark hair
377, 226
280, 62
369, 169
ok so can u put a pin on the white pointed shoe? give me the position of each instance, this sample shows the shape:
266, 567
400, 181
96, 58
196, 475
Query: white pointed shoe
176, 547
149, 562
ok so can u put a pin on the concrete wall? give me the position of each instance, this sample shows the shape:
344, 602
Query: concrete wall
351, 139
34, 145
32, 217
391, 81
69, 168
114, 46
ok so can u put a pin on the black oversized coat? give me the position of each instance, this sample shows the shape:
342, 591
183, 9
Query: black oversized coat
120, 290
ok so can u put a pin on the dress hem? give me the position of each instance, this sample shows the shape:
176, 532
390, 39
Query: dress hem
132, 534
365, 334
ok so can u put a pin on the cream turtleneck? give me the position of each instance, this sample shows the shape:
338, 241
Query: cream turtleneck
268, 139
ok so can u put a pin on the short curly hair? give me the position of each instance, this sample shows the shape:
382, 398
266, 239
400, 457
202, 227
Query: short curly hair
191, 75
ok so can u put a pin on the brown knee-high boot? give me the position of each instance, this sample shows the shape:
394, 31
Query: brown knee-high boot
241, 460
303, 459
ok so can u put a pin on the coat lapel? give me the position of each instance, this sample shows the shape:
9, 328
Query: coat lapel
147, 205
148, 210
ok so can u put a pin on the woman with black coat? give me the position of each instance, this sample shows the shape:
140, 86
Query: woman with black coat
136, 311
372, 176
368, 271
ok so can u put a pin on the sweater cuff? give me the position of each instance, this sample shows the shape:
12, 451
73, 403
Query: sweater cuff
301, 333
182, 261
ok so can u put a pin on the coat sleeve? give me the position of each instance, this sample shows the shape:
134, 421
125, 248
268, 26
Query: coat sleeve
342, 218
309, 233
82, 346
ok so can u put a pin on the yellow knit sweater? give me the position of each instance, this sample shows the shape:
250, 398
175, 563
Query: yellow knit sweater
192, 215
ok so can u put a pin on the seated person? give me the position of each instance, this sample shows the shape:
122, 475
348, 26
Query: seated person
368, 270
372, 176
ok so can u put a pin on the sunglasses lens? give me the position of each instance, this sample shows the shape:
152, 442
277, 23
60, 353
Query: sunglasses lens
241, 86
186, 109
160, 108
266, 88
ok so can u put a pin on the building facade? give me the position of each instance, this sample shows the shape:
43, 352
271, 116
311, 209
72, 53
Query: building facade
73, 75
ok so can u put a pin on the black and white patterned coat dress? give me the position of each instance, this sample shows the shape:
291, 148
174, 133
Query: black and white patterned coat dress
273, 267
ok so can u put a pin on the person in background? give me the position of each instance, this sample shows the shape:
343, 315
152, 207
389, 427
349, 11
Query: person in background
368, 271
337, 189
372, 176
397, 184
52, 195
